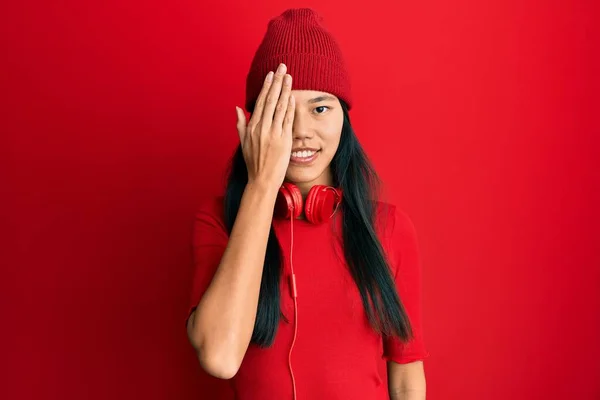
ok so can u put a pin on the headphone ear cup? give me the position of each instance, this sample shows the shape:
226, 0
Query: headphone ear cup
289, 201
321, 202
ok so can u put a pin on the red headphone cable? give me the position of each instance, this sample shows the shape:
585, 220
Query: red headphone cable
295, 295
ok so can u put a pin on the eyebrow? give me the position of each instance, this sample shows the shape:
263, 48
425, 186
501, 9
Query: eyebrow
321, 98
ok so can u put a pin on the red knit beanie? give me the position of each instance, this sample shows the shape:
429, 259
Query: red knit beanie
313, 58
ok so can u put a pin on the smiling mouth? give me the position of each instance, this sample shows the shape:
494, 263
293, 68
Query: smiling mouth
304, 157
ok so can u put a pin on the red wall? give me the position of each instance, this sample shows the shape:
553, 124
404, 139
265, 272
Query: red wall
118, 117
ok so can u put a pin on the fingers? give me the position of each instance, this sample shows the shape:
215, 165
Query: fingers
283, 103
241, 124
260, 101
288, 121
273, 95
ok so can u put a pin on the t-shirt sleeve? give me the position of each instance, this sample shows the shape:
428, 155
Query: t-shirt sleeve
209, 240
406, 267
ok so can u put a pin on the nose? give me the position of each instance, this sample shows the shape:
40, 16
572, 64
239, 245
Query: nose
301, 129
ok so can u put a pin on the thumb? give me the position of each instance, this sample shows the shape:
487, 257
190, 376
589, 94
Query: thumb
241, 123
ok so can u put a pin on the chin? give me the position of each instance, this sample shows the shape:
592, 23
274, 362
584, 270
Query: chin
299, 177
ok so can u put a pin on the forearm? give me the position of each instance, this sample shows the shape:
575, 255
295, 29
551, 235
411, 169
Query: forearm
409, 394
223, 322
406, 381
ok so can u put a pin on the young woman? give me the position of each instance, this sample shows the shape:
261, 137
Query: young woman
305, 284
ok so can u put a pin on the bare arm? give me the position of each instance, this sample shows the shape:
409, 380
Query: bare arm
221, 326
406, 381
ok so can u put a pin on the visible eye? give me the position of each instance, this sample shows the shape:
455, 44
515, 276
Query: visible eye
322, 108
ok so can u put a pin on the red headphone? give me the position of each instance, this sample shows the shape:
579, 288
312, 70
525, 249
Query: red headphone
321, 203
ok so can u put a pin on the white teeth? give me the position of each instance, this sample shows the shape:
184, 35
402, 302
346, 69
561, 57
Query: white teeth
303, 154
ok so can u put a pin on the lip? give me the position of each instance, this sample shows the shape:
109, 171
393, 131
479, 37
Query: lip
304, 161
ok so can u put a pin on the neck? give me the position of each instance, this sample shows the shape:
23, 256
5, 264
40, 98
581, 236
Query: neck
325, 178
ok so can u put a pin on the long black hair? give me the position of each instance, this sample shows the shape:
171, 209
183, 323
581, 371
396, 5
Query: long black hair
355, 176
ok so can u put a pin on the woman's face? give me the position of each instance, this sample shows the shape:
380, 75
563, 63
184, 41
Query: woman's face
316, 135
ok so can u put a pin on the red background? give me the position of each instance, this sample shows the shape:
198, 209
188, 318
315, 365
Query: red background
118, 117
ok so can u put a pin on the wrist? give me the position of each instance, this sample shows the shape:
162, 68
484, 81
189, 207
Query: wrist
262, 186
261, 193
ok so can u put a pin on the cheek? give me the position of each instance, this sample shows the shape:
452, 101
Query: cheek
331, 136
332, 146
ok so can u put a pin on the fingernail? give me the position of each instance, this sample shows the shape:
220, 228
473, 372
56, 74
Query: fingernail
281, 69
269, 76
287, 80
